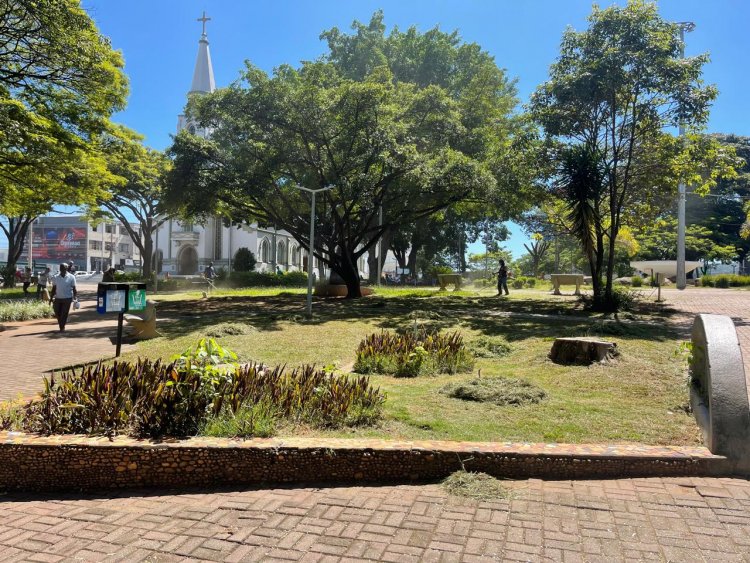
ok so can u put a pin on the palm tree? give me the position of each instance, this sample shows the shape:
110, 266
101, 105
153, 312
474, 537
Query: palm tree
580, 183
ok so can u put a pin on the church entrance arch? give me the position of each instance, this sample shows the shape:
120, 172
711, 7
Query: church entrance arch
188, 261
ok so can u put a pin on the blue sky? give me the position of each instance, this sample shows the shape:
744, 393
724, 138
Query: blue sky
159, 39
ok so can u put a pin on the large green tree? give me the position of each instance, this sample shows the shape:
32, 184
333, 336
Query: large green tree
60, 81
140, 195
409, 142
613, 91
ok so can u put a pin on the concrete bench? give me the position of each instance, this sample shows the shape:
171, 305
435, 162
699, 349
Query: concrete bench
445, 279
144, 326
566, 279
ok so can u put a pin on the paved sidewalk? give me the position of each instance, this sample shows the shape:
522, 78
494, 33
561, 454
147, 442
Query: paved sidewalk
29, 350
684, 519
733, 303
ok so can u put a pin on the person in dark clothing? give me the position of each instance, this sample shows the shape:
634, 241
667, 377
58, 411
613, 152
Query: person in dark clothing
109, 275
502, 279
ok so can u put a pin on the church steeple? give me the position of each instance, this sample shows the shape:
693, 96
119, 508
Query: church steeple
203, 80
203, 76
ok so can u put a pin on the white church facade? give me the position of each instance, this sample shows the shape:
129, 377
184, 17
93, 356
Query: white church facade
184, 248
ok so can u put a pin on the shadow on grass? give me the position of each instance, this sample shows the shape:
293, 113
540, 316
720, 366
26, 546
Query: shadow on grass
488, 315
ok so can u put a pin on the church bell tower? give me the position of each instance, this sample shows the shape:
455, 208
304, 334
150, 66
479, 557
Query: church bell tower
203, 80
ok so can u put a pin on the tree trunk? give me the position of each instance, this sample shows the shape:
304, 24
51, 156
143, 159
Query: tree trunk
347, 269
412, 262
609, 298
400, 257
18, 228
147, 256
582, 351
372, 264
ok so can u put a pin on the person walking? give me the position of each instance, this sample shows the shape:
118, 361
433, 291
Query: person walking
63, 292
502, 279
109, 275
26, 280
41, 284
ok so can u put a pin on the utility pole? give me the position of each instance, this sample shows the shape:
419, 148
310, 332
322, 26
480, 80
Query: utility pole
681, 278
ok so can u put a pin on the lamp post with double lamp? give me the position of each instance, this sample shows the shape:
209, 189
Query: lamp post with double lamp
681, 278
311, 248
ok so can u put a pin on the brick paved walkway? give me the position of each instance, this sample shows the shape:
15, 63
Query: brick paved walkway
31, 349
683, 519
733, 303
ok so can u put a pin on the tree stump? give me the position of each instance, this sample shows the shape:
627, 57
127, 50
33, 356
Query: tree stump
582, 351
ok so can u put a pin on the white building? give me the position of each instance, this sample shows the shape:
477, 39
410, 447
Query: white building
187, 248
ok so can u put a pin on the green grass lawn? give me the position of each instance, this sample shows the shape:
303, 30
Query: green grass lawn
641, 397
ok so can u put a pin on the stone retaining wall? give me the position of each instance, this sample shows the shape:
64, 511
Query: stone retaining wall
73, 463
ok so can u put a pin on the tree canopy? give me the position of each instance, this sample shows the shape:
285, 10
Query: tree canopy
410, 123
614, 90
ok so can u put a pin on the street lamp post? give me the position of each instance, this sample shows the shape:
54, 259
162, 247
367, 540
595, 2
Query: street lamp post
311, 248
681, 278
380, 245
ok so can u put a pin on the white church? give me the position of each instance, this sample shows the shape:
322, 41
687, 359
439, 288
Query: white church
187, 248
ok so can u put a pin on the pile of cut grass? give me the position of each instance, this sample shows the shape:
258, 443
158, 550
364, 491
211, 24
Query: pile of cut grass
229, 329
497, 390
475, 485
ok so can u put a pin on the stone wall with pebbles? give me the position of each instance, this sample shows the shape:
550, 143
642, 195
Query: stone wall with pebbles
35, 463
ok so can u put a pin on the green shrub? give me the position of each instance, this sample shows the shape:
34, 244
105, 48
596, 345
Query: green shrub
129, 277
259, 420
263, 279
530, 282
637, 281
24, 310
518, 283
490, 347
624, 299
725, 280
497, 390
244, 260
152, 399
12, 414
413, 353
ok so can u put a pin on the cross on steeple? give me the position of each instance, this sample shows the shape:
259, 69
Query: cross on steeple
204, 19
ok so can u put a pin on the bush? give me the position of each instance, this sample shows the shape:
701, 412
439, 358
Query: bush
624, 299
530, 282
263, 279
637, 281
129, 277
518, 283
725, 280
413, 353
497, 390
244, 260
24, 310
153, 399
259, 420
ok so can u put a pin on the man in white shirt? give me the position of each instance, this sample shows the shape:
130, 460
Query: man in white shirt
63, 292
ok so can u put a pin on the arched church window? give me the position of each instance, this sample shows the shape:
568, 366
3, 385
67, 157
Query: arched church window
281, 253
191, 129
265, 251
